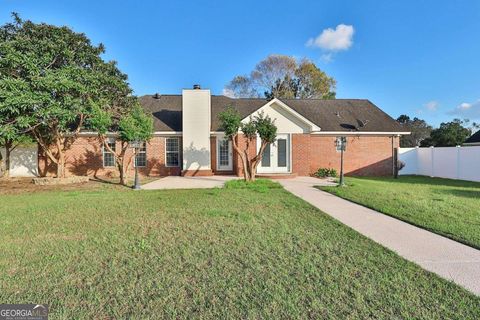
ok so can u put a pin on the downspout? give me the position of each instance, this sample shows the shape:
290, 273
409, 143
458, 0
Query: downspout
393, 157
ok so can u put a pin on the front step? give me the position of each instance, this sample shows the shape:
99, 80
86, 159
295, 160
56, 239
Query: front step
276, 175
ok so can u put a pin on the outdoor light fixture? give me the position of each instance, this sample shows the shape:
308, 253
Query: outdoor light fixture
136, 144
341, 145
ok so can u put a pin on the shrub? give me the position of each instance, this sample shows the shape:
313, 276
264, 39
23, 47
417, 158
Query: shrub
325, 172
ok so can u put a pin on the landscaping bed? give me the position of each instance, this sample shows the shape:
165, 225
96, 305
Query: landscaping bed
447, 207
245, 251
49, 181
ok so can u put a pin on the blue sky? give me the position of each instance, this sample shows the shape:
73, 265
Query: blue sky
421, 58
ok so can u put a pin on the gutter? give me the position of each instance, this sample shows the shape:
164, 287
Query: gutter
359, 133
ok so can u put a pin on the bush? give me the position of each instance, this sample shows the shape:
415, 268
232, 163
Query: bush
326, 172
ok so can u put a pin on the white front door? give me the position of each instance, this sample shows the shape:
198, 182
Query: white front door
224, 154
276, 157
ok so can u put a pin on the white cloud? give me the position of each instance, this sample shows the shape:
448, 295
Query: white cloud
327, 57
431, 106
338, 39
228, 93
467, 110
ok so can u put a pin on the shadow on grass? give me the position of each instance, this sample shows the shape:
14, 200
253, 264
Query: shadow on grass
115, 182
461, 193
410, 179
105, 180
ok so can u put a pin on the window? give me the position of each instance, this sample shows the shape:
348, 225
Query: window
141, 156
223, 153
109, 157
172, 152
281, 153
266, 156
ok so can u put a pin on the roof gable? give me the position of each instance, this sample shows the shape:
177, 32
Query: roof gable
287, 119
474, 139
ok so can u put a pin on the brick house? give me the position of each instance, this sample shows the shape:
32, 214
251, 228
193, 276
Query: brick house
188, 138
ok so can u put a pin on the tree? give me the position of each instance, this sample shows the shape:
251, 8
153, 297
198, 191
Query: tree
279, 76
14, 101
449, 134
313, 82
131, 125
420, 130
54, 77
260, 125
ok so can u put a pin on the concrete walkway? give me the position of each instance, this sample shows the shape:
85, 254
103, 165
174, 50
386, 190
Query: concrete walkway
175, 182
447, 258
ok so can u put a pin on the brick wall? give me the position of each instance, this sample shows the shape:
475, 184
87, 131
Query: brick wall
301, 152
85, 157
365, 155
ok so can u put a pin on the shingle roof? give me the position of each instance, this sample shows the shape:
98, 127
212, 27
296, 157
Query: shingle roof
475, 138
345, 115
329, 115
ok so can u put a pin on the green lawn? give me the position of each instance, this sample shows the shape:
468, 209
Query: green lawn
238, 252
447, 207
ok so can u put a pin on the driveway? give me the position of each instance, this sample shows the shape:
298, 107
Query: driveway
176, 182
447, 258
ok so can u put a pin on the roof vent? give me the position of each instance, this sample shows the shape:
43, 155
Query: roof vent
196, 87
362, 123
157, 96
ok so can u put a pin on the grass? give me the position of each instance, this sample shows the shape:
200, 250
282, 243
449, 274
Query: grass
447, 207
245, 251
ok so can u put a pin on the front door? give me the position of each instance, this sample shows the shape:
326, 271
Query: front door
276, 156
224, 154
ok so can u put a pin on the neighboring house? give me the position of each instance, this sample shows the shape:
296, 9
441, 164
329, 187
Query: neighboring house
189, 139
474, 140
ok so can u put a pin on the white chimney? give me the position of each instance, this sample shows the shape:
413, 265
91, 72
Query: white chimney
196, 109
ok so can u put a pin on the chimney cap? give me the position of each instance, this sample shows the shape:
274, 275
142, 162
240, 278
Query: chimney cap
157, 95
196, 87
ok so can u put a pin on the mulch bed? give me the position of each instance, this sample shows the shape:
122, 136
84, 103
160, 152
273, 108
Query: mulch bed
22, 185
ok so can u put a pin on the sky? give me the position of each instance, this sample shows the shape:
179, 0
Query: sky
420, 58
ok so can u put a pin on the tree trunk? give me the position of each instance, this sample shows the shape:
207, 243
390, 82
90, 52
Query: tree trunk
1, 165
6, 173
249, 165
60, 164
119, 158
122, 166
253, 163
123, 176
251, 170
8, 151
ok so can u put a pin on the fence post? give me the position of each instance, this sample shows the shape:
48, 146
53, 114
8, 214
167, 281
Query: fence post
395, 163
458, 162
432, 157
417, 159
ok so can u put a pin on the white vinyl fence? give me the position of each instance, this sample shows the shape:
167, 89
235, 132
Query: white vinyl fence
450, 162
23, 161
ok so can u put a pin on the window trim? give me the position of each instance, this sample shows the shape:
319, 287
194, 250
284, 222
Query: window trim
177, 152
140, 152
104, 150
